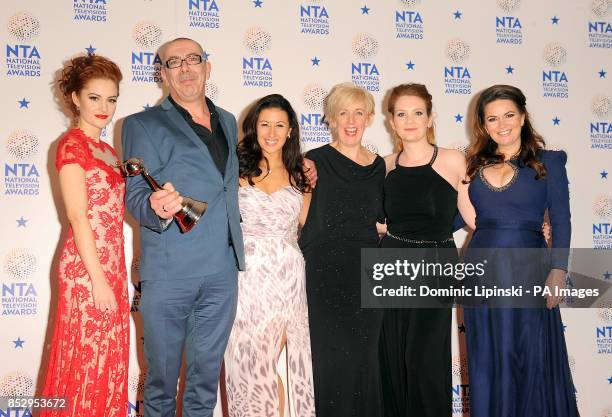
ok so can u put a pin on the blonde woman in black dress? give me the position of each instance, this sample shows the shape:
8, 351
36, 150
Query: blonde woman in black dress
345, 206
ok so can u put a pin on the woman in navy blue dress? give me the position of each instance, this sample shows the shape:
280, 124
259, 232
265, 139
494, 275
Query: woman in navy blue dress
517, 358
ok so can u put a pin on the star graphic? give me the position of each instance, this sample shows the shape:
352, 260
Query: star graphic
315, 61
457, 15
602, 73
410, 65
509, 69
607, 276
18, 343
365, 10
610, 380
146, 106
555, 20
458, 118
556, 121
206, 56
23, 103
258, 3
91, 50
604, 175
461, 328
21, 222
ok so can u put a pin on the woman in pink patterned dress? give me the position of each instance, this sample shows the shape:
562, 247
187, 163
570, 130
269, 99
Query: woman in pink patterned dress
88, 363
272, 312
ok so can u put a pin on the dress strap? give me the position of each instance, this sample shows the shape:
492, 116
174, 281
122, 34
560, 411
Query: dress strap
433, 157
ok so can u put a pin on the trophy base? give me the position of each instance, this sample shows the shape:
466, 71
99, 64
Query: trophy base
190, 213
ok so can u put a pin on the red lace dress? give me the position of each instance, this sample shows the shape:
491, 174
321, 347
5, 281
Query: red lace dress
88, 364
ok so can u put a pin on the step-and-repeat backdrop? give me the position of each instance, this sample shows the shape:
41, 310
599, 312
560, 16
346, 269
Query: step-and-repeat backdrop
558, 52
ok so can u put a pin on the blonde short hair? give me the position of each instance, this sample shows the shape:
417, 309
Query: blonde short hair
342, 94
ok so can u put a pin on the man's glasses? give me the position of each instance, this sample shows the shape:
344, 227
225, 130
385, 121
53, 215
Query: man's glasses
190, 60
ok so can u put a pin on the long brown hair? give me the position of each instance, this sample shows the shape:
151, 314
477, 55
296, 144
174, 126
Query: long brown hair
483, 151
416, 90
250, 153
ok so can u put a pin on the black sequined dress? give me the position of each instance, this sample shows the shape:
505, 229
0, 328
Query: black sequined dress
346, 204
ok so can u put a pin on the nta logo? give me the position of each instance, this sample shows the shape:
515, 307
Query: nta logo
212, 91
601, 106
410, 3
147, 34
16, 384
136, 382
600, 8
19, 264
555, 54
508, 5
22, 145
457, 50
365, 46
602, 206
604, 309
313, 97
23, 26
459, 367
257, 40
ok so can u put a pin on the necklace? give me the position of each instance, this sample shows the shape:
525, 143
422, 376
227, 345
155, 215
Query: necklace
515, 155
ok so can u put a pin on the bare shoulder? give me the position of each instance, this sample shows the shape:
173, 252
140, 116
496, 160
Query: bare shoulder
452, 157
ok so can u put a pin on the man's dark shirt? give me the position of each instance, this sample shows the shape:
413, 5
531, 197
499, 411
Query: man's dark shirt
215, 141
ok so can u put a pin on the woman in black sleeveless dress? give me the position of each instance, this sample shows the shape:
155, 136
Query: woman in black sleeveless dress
342, 216
420, 205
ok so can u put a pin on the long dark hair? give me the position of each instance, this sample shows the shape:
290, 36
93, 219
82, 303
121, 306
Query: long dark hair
249, 151
484, 150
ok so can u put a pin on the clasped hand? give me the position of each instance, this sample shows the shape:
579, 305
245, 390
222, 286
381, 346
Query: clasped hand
310, 170
555, 282
166, 202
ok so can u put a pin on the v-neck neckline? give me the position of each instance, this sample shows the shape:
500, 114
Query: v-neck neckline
269, 194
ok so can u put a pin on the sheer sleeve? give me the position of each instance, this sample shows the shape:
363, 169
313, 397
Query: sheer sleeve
71, 151
558, 206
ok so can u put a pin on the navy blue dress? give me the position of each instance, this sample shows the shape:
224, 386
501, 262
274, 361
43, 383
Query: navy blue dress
517, 358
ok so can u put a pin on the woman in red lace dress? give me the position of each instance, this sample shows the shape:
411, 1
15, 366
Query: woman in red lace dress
88, 364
